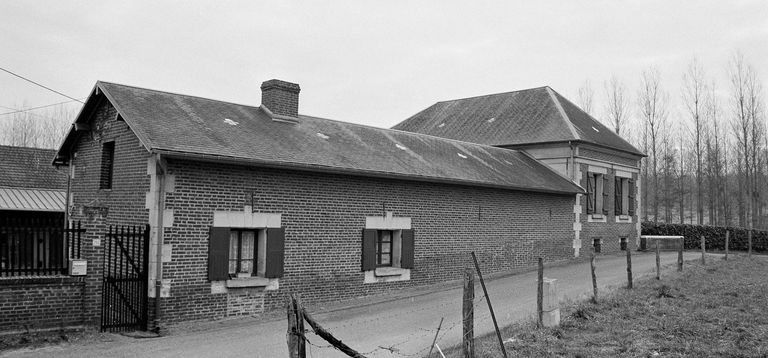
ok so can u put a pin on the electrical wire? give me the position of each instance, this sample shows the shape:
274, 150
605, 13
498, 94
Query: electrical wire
33, 108
37, 84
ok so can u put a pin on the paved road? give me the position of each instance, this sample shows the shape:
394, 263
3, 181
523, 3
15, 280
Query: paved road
407, 325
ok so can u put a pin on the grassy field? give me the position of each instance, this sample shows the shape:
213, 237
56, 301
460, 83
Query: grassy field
720, 309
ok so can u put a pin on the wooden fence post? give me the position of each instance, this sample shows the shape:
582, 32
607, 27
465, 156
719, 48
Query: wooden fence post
540, 294
594, 278
295, 335
703, 251
434, 341
680, 254
629, 268
727, 237
490, 307
658, 261
468, 315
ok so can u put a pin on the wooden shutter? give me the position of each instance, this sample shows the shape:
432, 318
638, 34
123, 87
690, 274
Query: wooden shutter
590, 193
406, 249
218, 254
617, 198
369, 249
605, 195
275, 253
631, 197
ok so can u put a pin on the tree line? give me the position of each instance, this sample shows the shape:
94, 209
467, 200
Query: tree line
707, 153
44, 128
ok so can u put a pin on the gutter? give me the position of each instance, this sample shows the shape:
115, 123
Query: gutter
159, 168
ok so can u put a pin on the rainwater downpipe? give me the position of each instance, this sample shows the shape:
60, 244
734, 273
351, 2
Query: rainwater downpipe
159, 168
573, 161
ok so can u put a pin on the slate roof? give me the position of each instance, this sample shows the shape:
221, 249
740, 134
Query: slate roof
30, 168
536, 115
186, 126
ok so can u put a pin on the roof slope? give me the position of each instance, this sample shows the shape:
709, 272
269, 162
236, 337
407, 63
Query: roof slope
177, 124
22, 167
32, 199
536, 115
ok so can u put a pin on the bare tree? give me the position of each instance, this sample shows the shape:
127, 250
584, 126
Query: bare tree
617, 103
694, 89
40, 129
586, 96
653, 106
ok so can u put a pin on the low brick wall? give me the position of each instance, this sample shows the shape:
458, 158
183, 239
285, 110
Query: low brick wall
37, 303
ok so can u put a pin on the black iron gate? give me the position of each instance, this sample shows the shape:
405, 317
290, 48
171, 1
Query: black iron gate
124, 287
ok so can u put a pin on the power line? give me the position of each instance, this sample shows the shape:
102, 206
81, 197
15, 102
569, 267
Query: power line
35, 83
33, 108
32, 114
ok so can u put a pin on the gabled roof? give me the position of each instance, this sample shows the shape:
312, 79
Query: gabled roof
30, 168
536, 115
186, 126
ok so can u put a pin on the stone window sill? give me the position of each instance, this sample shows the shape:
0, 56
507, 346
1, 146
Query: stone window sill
623, 219
247, 282
388, 271
596, 218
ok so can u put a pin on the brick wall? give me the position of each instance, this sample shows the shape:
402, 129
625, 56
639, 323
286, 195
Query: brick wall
41, 302
609, 232
125, 202
324, 216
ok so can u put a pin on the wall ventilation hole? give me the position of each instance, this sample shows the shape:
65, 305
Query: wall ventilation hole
400, 147
230, 122
441, 125
462, 155
321, 135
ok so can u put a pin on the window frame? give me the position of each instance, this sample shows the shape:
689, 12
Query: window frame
239, 259
595, 190
106, 174
379, 243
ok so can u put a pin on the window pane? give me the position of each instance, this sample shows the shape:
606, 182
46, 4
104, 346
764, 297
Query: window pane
247, 242
385, 248
385, 260
233, 252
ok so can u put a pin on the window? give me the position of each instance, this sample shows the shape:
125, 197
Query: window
624, 201
623, 243
384, 250
596, 245
107, 164
387, 248
597, 194
242, 252
237, 253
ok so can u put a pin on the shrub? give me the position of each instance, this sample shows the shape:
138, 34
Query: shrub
714, 236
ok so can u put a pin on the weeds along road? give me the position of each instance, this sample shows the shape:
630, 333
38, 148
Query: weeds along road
398, 328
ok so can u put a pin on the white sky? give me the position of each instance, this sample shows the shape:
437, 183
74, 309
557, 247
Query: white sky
367, 62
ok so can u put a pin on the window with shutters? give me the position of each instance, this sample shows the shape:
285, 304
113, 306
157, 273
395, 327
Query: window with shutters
597, 195
239, 253
624, 202
387, 249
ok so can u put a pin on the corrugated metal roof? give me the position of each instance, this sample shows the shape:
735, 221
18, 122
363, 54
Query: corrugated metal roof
32, 199
173, 123
536, 115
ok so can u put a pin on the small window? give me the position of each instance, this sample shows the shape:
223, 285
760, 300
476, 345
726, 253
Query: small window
384, 248
622, 201
242, 252
596, 192
107, 164
596, 245
623, 243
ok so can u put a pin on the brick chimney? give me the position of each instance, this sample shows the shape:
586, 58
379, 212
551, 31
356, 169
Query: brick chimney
281, 99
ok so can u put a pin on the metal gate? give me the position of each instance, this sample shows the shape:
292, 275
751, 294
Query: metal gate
124, 287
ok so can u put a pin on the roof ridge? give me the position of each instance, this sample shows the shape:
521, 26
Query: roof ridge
491, 94
177, 94
20, 147
562, 113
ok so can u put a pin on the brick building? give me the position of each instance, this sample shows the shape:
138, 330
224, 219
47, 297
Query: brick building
246, 204
548, 127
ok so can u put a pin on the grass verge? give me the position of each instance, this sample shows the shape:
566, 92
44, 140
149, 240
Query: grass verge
720, 309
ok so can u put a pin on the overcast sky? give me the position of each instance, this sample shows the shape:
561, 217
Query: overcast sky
367, 62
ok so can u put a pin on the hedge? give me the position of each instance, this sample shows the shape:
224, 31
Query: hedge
713, 235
